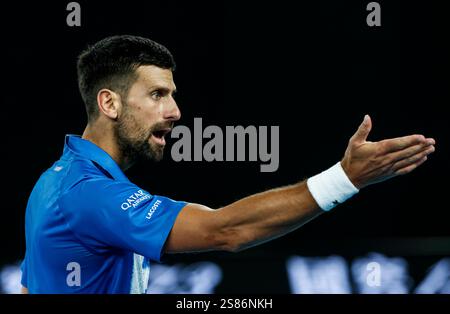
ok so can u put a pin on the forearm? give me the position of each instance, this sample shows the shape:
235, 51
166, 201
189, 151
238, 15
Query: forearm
264, 216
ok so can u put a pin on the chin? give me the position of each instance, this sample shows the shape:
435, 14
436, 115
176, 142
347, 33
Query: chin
155, 154
158, 157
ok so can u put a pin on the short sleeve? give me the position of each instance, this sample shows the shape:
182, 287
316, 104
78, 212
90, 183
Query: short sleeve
106, 213
23, 268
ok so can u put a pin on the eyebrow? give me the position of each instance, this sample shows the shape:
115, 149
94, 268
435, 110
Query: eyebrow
165, 89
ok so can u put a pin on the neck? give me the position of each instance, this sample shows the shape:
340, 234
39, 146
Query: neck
103, 136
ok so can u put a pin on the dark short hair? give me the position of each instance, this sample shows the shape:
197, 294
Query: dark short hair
111, 63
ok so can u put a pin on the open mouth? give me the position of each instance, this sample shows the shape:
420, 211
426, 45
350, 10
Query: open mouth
159, 136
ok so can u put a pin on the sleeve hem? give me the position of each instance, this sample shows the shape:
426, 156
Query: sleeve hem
164, 235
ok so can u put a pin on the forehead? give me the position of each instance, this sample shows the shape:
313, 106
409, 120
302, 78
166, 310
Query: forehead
153, 76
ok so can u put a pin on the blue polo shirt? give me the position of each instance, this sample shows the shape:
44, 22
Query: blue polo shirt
89, 229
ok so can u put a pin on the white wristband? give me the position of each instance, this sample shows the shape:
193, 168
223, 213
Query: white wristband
331, 187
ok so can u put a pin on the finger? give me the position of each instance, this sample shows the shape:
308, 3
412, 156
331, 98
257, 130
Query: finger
408, 152
410, 168
399, 143
413, 159
363, 131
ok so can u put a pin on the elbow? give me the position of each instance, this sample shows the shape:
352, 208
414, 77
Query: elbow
230, 236
232, 240
237, 248
239, 239
233, 247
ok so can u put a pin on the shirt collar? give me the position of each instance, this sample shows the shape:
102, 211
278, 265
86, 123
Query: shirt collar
88, 150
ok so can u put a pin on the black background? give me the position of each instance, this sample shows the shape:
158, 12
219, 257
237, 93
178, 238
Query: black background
313, 68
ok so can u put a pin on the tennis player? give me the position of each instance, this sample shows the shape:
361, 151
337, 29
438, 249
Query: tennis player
90, 230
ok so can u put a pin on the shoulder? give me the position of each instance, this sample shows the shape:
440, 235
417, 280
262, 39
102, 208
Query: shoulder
83, 171
89, 185
82, 183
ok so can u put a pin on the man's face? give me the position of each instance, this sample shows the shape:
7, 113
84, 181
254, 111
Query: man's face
148, 114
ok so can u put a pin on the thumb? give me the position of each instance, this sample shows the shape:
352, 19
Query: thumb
363, 130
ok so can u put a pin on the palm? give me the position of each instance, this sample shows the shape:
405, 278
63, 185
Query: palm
368, 162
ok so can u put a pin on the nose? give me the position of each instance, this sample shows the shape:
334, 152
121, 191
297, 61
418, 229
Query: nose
172, 113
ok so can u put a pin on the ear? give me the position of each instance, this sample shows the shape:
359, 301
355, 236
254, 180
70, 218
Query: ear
109, 103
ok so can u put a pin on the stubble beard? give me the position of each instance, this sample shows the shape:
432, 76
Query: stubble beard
134, 140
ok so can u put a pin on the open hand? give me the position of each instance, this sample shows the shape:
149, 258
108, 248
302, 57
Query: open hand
368, 162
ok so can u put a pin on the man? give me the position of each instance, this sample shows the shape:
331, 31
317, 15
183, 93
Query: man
90, 230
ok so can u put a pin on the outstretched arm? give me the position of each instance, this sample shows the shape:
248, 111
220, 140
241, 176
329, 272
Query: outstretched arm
264, 216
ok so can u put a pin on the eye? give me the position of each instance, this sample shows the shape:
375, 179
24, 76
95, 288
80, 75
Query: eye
156, 95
